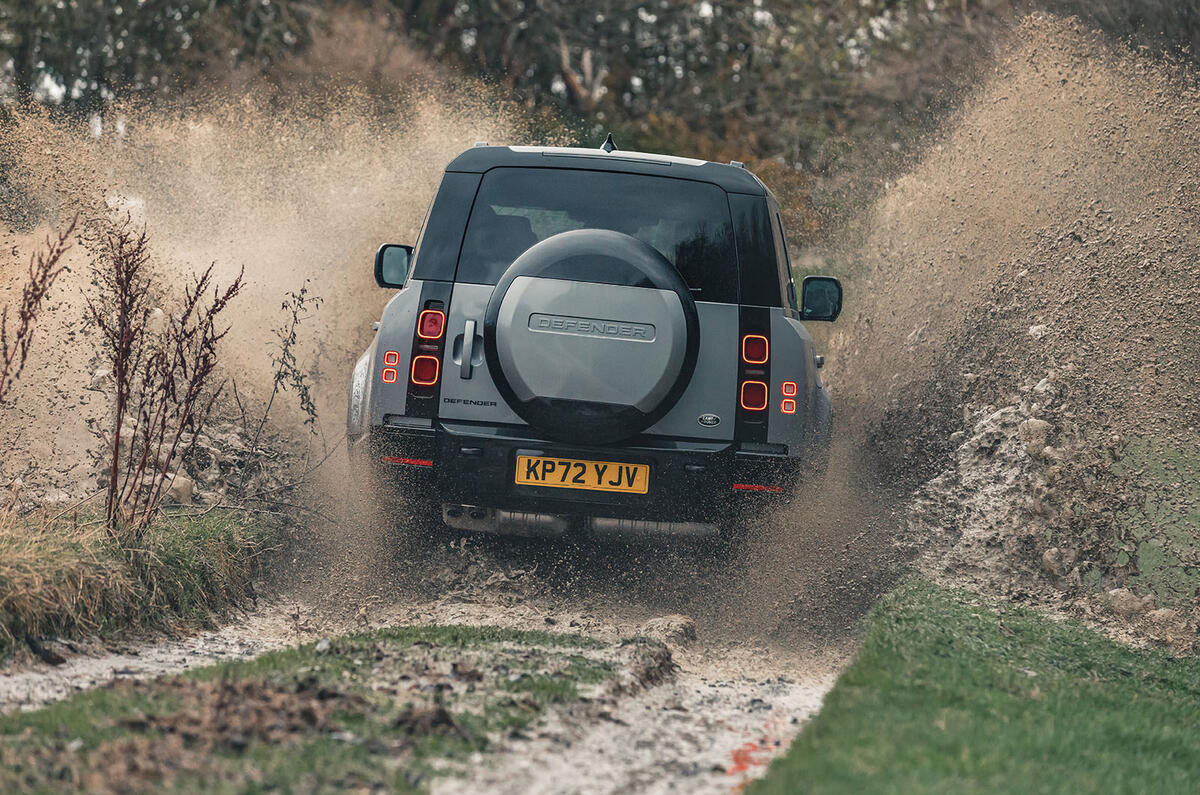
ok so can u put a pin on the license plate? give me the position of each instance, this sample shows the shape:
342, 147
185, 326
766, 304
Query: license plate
568, 473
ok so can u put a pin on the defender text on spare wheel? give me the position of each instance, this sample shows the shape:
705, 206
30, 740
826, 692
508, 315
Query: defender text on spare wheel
570, 331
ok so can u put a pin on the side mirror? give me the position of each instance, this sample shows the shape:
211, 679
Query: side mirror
822, 298
391, 264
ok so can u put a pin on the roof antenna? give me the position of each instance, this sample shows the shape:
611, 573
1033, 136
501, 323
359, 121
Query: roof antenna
609, 144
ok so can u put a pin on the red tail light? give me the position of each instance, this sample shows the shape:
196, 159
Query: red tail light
755, 349
790, 389
412, 462
425, 370
754, 395
788, 406
431, 324
757, 487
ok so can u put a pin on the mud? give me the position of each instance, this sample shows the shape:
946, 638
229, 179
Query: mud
299, 189
708, 723
1016, 351
715, 726
26, 685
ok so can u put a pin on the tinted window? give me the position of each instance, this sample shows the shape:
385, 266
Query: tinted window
785, 263
437, 247
756, 250
687, 222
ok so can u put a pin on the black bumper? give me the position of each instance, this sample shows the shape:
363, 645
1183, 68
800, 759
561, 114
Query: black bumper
462, 464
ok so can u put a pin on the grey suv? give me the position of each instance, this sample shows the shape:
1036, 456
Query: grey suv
593, 340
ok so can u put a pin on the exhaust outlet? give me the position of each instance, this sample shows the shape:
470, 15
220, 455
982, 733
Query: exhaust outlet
476, 519
607, 526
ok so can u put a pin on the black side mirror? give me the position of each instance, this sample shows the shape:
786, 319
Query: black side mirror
822, 298
391, 264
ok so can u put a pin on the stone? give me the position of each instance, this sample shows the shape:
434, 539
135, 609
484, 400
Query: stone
1034, 433
1126, 603
1044, 388
1164, 616
1053, 454
180, 489
1038, 331
673, 630
1052, 561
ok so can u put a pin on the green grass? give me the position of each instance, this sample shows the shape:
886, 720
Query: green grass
371, 680
1160, 533
61, 578
951, 694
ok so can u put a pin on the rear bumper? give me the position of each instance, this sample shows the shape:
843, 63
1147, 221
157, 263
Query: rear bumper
465, 464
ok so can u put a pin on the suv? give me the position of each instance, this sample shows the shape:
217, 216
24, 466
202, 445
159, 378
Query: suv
592, 340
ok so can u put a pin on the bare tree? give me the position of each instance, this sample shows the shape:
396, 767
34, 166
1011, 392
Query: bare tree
45, 266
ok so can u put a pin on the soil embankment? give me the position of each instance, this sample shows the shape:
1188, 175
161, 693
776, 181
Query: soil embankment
1018, 345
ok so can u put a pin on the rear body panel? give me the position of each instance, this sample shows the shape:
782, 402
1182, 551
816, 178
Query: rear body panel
471, 394
476, 465
713, 389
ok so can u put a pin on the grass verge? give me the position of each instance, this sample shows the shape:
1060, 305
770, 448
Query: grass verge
377, 711
63, 579
952, 694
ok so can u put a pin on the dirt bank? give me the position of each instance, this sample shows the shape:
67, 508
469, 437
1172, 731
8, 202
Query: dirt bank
1017, 344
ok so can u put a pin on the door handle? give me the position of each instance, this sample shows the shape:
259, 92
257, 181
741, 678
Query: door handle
468, 350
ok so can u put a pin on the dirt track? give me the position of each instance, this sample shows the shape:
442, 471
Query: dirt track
979, 307
729, 709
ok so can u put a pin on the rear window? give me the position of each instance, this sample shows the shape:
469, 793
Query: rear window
687, 222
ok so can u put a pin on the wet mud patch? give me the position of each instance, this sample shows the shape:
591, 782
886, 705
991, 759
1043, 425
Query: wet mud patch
388, 710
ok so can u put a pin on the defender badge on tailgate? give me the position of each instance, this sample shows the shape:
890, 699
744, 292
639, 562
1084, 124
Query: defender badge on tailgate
709, 420
591, 327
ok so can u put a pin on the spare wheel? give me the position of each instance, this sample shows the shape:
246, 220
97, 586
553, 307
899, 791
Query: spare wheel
591, 336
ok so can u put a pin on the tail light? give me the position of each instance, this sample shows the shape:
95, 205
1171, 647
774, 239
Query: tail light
754, 374
790, 389
431, 324
754, 395
412, 462
757, 487
425, 370
788, 406
755, 349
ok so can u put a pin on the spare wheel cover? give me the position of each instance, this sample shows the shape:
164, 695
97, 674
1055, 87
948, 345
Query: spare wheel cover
591, 336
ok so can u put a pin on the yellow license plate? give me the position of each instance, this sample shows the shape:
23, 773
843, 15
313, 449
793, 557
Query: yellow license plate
568, 473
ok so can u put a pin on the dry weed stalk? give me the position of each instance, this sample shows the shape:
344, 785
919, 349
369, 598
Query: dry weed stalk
288, 375
164, 379
45, 266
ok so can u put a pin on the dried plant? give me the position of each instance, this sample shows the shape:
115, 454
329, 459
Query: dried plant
288, 375
164, 374
45, 266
